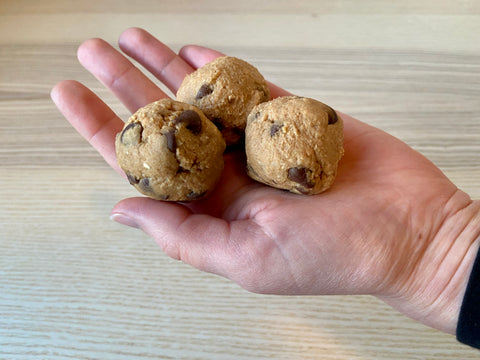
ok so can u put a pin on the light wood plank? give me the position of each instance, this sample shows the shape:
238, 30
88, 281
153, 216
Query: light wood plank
431, 7
371, 31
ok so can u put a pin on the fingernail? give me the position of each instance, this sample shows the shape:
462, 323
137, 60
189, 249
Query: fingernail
124, 220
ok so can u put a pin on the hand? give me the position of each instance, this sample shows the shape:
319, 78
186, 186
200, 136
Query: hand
392, 225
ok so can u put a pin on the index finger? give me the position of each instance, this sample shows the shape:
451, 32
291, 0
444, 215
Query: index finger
90, 116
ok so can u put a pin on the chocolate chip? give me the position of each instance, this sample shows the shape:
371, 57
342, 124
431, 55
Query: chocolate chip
192, 195
145, 184
204, 90
182, 170
300, 175
171, 140
218, 123
191, 119
274, 128
132, 134
332, 116
302, 190
132, 179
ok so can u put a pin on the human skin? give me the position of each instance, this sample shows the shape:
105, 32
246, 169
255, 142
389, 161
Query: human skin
393, 225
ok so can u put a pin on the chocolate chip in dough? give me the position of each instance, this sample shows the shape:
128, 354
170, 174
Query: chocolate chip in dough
300, 176
204, 90
274, 129
132, 179
302, 190
191, 119
332, 116
171, 140
132, 134
181, 170
192, 195
218, 123
145, 184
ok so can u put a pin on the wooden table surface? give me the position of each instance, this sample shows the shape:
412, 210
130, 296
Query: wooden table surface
75, 285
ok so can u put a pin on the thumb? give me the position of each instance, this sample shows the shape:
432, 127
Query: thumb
196, 239
239, 250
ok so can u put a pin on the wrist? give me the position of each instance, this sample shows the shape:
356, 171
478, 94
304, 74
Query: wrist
468, 326
433, 293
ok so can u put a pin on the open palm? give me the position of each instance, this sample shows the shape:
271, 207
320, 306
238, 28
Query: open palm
371, 233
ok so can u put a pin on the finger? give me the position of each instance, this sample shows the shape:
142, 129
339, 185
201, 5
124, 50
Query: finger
238, 250
276, 91
155, 56
198, 56
195, 239
90, 116
115, 71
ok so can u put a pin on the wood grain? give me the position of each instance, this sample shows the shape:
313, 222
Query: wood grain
448, 7
75, 285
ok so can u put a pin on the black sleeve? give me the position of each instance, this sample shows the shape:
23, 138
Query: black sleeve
468, 327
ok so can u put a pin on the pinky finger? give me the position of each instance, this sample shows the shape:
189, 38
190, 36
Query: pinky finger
90, 116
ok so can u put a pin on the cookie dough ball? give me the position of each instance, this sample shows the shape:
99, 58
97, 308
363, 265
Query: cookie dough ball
171, 151
226, 90
294, 143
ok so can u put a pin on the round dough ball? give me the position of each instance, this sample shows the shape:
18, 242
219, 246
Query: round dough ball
226, 90
171, 151
294, 143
